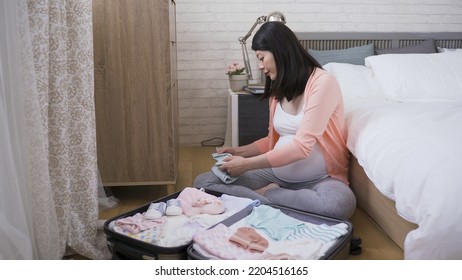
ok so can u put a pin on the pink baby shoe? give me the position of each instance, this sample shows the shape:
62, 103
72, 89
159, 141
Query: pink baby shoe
248, 238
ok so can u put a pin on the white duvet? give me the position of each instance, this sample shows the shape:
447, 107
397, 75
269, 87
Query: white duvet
413, 153
404, 117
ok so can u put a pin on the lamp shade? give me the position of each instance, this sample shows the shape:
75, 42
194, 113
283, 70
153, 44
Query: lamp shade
276, 16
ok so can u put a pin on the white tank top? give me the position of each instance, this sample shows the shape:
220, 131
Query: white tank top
309, 169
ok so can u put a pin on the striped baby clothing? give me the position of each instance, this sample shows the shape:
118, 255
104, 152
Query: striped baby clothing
323, 232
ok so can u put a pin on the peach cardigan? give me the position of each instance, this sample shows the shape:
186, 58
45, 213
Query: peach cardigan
323, 122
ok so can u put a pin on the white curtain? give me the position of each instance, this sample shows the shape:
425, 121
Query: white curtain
49, 181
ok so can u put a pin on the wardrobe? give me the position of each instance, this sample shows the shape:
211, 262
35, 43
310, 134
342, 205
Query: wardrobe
136, 92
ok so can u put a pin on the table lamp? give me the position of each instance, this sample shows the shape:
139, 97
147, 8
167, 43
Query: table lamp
274, 16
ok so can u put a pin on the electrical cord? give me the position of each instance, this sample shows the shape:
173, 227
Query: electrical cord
211, 142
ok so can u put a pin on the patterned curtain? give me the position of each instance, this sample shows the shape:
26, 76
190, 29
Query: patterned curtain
62, 44
49, 183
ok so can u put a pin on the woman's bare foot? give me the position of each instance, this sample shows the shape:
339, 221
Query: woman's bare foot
263, 190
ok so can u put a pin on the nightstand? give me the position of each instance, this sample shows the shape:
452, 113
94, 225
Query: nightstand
247, 119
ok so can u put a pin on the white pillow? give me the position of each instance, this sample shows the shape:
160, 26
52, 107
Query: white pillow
355, 80
419, 77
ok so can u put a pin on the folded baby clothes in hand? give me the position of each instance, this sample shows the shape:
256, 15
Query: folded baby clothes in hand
220, 157
224, 177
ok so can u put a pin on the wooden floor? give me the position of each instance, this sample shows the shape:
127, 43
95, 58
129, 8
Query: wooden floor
195, 160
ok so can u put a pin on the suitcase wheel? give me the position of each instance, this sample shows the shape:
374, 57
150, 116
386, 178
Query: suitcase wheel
355, 246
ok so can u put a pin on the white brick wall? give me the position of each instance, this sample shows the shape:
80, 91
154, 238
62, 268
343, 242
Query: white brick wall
208, 32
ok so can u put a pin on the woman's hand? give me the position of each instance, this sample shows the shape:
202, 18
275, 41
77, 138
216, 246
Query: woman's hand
234, 165
246, 151
230, 150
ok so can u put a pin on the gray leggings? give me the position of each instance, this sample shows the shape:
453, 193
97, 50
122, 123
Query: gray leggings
327, 196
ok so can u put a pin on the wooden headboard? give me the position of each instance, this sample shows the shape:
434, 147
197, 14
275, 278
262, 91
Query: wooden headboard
381, 40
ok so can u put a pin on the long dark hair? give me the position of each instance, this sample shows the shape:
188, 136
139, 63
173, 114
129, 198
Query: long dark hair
293, 63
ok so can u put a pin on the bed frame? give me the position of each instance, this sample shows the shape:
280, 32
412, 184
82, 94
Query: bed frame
381, 40
380, 208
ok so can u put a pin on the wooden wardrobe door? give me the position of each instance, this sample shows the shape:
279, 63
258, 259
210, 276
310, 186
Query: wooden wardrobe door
136, 120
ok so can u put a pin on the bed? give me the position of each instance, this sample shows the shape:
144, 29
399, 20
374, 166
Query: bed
403, 105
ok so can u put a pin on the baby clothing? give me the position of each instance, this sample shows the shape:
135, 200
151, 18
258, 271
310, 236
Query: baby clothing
300, 249
192, 211
209, 206
280, 226
322, 232
155, 211
195, 201
173, 208
215, 241
207, 220
136, 223
177, 231
224, 177
150, 235
234, 204
273, 222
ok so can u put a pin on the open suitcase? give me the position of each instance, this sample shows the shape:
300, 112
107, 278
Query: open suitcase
122, 246
339, 250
